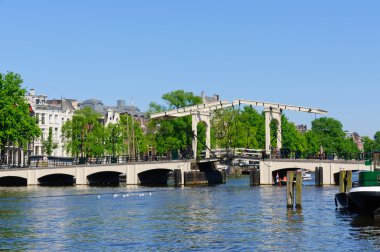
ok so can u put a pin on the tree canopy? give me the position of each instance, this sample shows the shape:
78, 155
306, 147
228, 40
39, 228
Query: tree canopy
84, 135
173, 134
49, 145
17, 125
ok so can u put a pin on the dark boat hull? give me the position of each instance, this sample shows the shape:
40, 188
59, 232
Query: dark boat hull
343, 201
367, 201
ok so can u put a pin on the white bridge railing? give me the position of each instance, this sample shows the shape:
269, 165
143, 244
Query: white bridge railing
241, 152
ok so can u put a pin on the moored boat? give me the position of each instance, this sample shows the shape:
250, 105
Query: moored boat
306, 176
365, 197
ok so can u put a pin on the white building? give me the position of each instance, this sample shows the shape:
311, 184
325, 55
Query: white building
51, 114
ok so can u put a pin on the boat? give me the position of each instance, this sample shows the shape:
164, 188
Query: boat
282, 180
364, 198
306, 176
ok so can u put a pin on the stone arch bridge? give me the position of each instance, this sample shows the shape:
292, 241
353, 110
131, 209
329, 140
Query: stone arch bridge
133, 173
158, 172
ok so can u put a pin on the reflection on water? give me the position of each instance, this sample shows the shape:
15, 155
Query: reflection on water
233, 217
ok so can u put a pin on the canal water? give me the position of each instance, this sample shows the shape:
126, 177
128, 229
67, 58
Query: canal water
228, 217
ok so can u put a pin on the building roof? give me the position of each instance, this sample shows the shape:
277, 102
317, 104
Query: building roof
98, 106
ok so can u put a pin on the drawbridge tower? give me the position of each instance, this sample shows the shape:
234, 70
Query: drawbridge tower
202, 113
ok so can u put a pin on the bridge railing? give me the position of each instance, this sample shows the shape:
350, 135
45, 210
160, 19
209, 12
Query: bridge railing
45, 161
51, 161
289, 154
230, 152
286, 154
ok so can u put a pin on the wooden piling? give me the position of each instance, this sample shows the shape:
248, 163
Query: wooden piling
224, 175
342, 184
290, 189
299, 189
348, 181
318, 176
254, 177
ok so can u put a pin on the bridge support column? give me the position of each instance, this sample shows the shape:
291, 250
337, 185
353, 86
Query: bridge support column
272, 114
197, 118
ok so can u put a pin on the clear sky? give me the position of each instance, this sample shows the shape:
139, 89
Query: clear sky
323, 54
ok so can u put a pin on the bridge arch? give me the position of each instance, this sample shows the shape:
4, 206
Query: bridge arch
13, 181
104, 178
282, 172
56, 179
155, 177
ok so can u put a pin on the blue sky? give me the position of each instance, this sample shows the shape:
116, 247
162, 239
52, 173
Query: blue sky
323, 54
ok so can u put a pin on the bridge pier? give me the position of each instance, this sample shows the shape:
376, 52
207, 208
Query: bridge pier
329, 167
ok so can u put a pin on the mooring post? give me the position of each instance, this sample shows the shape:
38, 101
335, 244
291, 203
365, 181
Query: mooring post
342, 178
316, 178
224, 175
348, 181
177, 175
319, 176
289, 189
254, 177
299, 189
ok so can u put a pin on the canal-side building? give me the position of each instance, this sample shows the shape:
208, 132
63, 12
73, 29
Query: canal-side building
111, 114
356, 138
50, 114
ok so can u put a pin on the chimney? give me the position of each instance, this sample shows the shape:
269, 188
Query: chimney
32, 92
121, 103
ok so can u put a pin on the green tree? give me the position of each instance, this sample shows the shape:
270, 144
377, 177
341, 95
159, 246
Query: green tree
368, 144
134, 141
235, 128
17, 126
173, 134
114, 139
292, 140
377, 141
84, 134
253, 124
333, 139
222, 125
49, 145
313, 144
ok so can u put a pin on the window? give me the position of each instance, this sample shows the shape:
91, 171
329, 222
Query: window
42, 135
43, 119
50, 118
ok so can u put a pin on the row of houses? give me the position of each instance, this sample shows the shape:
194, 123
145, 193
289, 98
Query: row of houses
53, 113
